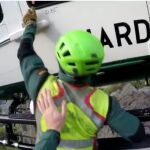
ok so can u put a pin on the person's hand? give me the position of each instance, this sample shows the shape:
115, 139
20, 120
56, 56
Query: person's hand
30, 17
55, 120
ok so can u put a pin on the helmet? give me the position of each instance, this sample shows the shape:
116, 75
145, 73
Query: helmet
79, 53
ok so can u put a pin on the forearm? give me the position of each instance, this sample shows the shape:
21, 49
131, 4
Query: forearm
124, 123
32, 67
26, 44
49, 141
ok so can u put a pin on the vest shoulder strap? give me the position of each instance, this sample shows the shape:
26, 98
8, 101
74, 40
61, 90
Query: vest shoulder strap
98, 101
93, 102
54, 87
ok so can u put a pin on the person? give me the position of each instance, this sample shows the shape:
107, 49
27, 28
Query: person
55, 123
79, 55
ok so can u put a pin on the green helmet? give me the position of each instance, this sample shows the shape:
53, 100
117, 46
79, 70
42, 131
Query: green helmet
79, 53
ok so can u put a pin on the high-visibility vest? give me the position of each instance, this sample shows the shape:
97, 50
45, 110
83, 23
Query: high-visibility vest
87, 108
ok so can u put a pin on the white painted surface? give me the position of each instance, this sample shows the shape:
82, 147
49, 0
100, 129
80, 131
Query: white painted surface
94, 15
12, 15
66, 17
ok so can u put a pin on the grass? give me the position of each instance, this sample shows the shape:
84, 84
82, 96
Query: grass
108, 89
7, 148
114, 87
2, 133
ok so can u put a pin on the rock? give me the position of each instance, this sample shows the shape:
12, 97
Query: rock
128, 89
129, 98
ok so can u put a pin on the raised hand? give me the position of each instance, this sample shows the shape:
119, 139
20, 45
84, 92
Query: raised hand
55, 119
30, 17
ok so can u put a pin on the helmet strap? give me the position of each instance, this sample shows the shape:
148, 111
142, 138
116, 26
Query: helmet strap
72, 79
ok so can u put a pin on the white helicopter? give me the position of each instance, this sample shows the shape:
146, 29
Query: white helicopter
123, 27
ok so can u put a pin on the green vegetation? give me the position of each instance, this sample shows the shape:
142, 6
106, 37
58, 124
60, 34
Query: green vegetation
114, 87
7, 148
29, 132
139, 83
2, 133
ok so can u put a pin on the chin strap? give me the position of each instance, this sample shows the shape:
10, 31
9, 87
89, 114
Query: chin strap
73, 80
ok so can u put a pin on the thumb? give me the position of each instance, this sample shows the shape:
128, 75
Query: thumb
63, 108
30, 11
33, 10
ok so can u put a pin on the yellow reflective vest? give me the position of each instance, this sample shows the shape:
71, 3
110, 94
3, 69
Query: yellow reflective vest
87, 108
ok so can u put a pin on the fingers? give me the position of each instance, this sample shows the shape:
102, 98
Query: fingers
50, 100
43, 102
31, 11
63, 109
46, 102
41, 106
45, 99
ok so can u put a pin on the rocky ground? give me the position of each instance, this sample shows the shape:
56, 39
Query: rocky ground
129, 97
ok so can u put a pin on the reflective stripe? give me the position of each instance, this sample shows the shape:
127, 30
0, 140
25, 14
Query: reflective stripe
90, 114
82, 122
80, 103
97, 99
75, 143
52, 85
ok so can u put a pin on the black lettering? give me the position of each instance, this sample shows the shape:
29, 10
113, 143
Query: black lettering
105, 39
137, 32
1, 14
122, 35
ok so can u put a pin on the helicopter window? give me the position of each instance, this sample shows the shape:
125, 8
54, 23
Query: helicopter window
42, 4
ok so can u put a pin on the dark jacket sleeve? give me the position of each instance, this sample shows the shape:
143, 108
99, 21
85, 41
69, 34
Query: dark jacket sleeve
48, 141
124, 123
32, 67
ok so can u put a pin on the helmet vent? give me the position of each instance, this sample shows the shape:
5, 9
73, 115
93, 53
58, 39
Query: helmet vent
94, 55
92, 63
66, 53
90, 69
75, 71
71, 64
58, 54
62, 45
